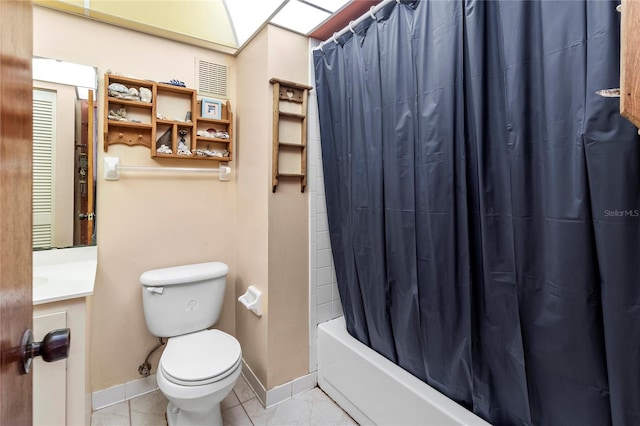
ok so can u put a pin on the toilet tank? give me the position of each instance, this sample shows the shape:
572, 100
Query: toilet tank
183, 299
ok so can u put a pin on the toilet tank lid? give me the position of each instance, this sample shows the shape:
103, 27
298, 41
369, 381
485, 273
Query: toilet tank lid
183, 274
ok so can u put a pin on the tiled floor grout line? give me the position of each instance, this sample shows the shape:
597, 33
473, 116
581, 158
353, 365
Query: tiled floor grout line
243, 407
148, 407
247, 413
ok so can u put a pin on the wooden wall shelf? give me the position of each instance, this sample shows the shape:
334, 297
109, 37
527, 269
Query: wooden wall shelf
167, 113
287, 92
630, 61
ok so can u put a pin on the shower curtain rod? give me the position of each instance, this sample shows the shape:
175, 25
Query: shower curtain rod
112, 169
371, 14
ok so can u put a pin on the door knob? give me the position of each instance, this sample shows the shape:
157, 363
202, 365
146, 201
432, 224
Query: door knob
54, 347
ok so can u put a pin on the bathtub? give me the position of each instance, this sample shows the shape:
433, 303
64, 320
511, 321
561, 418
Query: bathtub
373, 390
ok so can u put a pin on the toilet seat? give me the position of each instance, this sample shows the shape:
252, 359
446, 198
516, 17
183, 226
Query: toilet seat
200, 358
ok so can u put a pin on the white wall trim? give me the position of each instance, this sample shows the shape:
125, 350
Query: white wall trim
268, 398
281, 393
123, 392
253, 382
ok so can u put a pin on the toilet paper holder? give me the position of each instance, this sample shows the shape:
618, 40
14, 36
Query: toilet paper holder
252, 300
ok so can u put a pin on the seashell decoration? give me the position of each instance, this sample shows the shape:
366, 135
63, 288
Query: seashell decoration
120, 91
164, 149
212, 153
145, 95
118, 115
183, 149
212, 133
609, 93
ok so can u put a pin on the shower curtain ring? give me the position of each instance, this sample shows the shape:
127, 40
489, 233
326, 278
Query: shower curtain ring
351, 28
373, 15
335, 38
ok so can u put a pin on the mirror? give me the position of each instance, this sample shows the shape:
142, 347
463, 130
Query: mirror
64, 142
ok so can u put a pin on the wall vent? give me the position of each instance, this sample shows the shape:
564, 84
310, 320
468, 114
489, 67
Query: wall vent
211, 79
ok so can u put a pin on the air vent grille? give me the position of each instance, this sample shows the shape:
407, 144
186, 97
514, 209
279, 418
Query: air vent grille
212, 79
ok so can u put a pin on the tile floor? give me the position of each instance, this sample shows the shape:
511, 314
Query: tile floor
240, 408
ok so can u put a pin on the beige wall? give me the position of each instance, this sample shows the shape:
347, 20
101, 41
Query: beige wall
252, 151
288, 235
273, 240
144, 221
153, 221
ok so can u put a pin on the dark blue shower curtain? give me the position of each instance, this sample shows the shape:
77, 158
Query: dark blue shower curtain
484, 204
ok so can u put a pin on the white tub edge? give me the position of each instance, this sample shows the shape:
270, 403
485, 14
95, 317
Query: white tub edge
373, 390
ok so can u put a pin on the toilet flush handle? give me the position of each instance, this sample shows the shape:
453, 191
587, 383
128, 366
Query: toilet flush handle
157, 290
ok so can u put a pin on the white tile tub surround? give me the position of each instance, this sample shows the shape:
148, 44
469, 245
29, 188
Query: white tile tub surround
324, 301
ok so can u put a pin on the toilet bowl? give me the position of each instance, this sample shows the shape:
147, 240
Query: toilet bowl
196, 372
199, 366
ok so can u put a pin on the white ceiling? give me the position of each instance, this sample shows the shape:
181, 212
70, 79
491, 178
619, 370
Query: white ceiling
225, 25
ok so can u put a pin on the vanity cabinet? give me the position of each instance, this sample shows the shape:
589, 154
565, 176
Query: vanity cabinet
61, 390
170, 124
49, 379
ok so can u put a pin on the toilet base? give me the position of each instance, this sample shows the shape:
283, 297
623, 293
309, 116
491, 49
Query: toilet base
197, 405
210, 417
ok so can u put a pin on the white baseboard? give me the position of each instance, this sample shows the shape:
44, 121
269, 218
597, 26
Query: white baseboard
120, 393
268, 398
281, 393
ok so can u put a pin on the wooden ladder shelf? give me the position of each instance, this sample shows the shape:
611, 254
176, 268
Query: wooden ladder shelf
630, 61
286, 93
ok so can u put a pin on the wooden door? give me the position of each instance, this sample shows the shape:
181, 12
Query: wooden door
15, 206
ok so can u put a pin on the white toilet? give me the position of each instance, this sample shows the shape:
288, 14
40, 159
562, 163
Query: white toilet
198, 367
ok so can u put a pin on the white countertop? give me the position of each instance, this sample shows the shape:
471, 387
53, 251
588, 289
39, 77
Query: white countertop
62, 274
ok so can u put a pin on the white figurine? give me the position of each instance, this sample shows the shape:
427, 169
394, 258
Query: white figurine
183, 149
